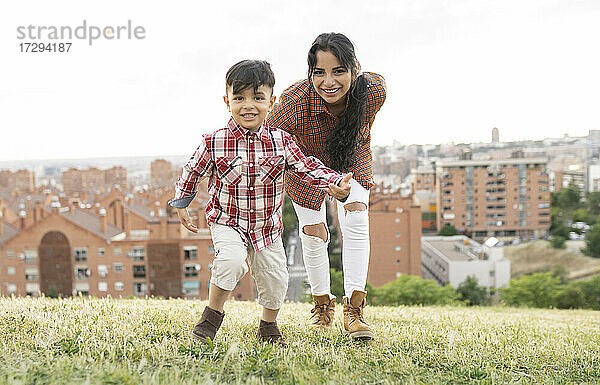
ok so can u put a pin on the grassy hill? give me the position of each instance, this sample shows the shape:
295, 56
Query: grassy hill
147, 342
539, 256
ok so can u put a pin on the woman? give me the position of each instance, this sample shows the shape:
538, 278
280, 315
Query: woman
330, 115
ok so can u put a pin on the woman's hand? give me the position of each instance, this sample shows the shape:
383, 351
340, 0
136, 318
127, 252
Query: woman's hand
184, 218
341, 191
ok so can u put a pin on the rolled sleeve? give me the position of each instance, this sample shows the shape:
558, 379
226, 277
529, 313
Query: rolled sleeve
181, 203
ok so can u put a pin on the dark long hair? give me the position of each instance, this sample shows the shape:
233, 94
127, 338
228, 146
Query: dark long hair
342, 141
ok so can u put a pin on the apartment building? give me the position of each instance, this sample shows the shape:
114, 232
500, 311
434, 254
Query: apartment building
69, 250
506, 198
450, 260
162, 173
21, 180
79, 181
395, 229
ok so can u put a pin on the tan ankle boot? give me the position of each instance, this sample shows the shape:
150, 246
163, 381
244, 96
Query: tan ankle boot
323, 311
354, 323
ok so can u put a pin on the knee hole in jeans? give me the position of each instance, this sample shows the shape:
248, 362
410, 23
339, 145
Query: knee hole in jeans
317, 230
355, 206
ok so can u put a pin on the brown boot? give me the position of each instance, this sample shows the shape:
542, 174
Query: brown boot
323, 311
354, 323
269, 332
208, 325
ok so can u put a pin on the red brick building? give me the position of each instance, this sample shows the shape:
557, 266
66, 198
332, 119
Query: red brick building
395, 229
21, 180
120, 250
505, 198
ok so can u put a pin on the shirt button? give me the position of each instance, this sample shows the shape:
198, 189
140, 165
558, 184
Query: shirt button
251, 188
251, 165
251, 210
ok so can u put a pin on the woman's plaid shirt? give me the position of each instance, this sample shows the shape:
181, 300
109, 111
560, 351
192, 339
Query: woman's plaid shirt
302, 113
246, 179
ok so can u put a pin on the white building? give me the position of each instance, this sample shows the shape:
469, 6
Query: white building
450, 260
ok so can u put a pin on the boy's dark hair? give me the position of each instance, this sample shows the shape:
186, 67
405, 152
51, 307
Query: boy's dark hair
249, 73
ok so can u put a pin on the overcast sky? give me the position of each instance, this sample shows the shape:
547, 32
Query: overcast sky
454, 70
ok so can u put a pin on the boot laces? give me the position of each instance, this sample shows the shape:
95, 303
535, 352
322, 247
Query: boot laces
355, 313
320, 312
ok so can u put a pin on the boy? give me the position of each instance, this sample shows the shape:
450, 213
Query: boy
245, 162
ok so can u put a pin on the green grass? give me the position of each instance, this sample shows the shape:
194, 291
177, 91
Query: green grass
147, 342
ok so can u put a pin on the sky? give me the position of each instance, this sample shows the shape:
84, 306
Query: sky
454, 70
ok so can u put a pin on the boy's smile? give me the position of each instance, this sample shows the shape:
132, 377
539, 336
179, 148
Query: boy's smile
250, 108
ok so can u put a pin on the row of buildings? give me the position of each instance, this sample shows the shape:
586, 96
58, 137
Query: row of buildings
130, 243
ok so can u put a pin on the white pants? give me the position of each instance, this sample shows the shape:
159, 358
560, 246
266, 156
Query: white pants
267, 266
355, 249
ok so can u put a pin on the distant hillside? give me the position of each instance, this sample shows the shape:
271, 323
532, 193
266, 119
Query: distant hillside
539, 256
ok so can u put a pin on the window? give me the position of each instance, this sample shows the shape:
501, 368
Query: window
11, 270
492, 273
139, 288
82, 272
211, 249
191, 252
11, 288
118, 267
137, 253
397, 248
32, 289
80, 254
117, 251
30, 256
191, 270
101, 251
102, 286
191, 288
397, 235
10, 253
102, 270
82, 288
139, 271
119, 286
31, 274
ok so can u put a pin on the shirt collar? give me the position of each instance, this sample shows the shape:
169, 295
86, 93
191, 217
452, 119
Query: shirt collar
240, 132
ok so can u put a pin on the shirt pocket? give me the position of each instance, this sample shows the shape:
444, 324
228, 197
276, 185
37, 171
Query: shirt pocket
229, 170
271, 168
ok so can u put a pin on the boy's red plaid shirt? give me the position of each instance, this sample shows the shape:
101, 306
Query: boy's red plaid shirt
246, 179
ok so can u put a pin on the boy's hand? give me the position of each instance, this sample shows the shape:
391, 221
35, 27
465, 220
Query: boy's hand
341, 191
184, 218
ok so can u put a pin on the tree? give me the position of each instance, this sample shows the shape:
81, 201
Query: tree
289, 219
567, 198
583, 215
591, 292
535, 290
561, 231
337, 283
558, 242
592, 203
413, 290
448, 230
569, 297
592, 242
471, 293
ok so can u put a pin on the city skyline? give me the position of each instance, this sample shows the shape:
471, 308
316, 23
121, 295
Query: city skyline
454, 70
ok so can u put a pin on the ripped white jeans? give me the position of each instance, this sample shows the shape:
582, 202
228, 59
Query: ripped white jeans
355, 249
